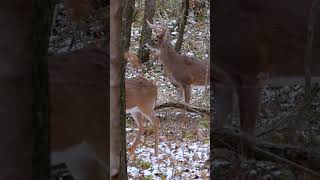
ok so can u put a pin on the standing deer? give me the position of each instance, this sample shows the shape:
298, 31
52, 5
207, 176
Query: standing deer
141, 97
257, 43
183, 71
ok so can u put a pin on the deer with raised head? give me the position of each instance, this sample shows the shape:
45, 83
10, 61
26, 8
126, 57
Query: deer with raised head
257, 43
141, 97
183, 71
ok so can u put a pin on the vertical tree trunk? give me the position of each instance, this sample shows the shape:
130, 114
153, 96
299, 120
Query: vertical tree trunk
182, 24
308, 58
117, 104
23, 105
128, 9
42, 20
146, 32
308, 53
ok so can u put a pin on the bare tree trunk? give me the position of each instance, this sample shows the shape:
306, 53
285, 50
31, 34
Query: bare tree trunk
16, 97
117, 93
128, 9
308, 58
182, 24
146, 32
42, 20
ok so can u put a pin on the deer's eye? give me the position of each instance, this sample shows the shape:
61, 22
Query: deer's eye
156, 40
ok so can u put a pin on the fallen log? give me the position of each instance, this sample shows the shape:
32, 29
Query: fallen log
300, 158
187, 107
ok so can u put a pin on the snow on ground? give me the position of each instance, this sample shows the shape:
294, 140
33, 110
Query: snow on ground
187, 159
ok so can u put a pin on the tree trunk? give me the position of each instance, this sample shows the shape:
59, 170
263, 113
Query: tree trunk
43, 11
23, 51
128, 9
182, 24
308, 58
117, 93
146, 32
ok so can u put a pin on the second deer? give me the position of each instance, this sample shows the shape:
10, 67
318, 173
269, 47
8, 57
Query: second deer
141, 97
183, 71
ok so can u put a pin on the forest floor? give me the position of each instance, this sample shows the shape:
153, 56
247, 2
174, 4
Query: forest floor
183, 149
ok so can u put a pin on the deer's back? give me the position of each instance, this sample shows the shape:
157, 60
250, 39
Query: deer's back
140, 91
79, 92
192, 71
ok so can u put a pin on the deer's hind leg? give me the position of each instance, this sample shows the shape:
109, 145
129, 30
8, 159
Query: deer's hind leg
156, 123
187, 93
138, 118
150, 115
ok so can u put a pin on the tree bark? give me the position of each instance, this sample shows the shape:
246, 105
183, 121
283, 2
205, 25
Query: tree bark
182, 24
146, 32
308, 57
117, 93
43, 12
23, 90
128, 9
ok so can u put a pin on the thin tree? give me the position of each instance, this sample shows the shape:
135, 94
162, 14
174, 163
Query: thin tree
117, 93
308, 52
149, 10
182, 24
127, 13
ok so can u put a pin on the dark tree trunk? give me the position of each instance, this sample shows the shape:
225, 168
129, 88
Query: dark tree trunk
182, 24
42, 20
117, 93
128, 9
146, 32
307, 60
23, 104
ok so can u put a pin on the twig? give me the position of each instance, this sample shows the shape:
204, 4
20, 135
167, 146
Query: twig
187, 107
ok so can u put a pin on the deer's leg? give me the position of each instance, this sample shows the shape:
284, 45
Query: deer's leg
138, 117
223, 105
180, 93
187, 93
249, 107
156, 123
178, 86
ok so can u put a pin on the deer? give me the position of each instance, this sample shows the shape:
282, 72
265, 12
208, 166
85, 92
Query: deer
79, 102
141, 97
182, 71
257, 44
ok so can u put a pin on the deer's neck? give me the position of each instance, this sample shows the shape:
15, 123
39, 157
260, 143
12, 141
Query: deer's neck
168, 56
